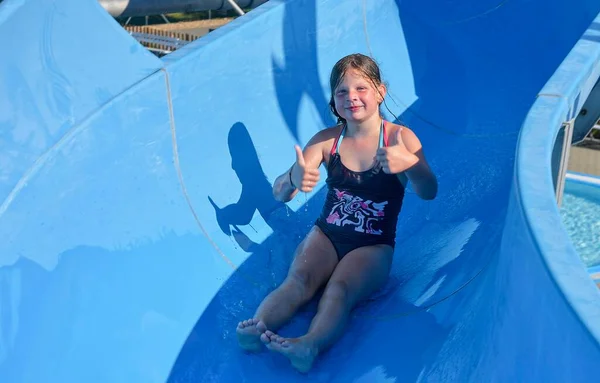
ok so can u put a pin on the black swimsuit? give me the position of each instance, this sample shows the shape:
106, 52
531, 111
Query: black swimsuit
361, 208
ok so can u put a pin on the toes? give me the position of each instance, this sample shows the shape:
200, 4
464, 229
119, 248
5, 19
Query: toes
265, 338
260, 326
273, 340
250, 322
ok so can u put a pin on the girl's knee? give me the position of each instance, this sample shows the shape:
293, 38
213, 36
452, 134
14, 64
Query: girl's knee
337, 290
302, 282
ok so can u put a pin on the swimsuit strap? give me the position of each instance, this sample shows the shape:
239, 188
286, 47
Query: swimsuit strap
334, 147
383, 140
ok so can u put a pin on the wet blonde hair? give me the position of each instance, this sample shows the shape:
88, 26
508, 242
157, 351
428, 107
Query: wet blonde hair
364, 64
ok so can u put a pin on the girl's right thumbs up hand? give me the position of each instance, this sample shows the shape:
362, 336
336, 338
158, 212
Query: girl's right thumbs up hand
303, 178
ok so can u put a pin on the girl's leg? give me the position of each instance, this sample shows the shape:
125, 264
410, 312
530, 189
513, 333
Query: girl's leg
313, 264
360, 273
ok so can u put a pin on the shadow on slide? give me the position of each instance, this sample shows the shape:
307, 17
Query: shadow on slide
442, 245
131, 185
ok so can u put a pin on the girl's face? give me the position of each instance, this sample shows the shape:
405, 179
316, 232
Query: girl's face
356, 98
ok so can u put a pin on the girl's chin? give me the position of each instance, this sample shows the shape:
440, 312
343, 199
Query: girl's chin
357, 117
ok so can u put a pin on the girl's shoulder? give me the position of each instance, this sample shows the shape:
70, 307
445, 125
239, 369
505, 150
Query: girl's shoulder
332, 131
408, 135
327, 135
392, 128
324, 140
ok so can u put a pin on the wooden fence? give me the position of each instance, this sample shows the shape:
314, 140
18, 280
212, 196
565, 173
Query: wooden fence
159, 40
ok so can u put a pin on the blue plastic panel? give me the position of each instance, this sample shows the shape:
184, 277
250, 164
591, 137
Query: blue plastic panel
443, 244
586, 120
89, 271
148, 229
558, 101
61, 60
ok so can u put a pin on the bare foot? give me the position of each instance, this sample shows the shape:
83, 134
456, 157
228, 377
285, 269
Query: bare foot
248, 333
300, 353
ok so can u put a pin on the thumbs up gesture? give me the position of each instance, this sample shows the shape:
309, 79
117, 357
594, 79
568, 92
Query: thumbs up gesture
396, 158
303, 177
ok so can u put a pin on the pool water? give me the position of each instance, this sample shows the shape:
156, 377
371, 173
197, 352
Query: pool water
580, 212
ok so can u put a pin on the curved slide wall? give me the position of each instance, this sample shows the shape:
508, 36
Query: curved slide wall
138, 233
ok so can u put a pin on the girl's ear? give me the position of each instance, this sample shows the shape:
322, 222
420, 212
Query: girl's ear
382, 90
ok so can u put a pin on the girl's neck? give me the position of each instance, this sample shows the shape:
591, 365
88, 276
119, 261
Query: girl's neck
365, 128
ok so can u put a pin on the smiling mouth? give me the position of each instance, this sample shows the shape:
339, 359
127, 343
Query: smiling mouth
354, 108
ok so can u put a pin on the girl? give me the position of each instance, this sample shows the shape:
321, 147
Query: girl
350, 248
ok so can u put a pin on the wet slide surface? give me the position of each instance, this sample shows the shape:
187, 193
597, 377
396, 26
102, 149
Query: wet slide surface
137, 224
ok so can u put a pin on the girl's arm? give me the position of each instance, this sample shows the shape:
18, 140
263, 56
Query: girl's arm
282, 187
304, 173
422, 178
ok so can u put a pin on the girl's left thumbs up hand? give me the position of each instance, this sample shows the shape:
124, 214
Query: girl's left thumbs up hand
396, 158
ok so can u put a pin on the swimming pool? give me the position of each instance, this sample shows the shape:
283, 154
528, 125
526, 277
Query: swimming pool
580, 212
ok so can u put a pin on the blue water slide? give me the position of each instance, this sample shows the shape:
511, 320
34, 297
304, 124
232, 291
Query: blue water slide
138, 226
